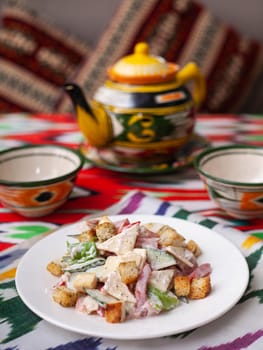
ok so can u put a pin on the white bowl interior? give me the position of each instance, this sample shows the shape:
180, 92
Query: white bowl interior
37, 164
236, 165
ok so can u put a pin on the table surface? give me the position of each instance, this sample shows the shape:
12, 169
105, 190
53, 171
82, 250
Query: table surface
98, 189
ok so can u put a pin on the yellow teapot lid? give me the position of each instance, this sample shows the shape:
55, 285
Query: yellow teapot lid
142, 68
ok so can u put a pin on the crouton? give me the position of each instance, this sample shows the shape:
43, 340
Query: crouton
65, 296
115, 312
85, 280
129, 271
104, 218
182, 286
200, 287
87, 236
55, 268
105, 230
169, 236
193, 247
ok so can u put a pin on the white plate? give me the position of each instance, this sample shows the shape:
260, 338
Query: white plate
229, 280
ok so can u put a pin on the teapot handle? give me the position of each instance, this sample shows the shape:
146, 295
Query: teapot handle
191, 72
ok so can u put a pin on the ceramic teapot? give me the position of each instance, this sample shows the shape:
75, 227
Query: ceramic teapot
144, 112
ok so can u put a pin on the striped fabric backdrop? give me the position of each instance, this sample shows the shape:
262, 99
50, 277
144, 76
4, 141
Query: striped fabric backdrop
182, 31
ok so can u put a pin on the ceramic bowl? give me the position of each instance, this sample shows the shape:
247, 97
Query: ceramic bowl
36, 180
233, 176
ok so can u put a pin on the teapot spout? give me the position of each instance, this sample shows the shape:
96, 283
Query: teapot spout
93, 120
77, 97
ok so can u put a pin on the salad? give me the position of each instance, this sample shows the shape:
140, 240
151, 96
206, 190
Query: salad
128, 270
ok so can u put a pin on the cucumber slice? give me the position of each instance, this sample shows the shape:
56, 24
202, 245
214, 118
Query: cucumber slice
162, 300
159, 259
100, 297
79, 267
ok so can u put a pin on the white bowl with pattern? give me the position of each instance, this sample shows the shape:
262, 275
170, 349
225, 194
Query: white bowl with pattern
36, 180
233, 176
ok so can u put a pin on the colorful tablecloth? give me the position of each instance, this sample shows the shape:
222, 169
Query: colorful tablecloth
99, 191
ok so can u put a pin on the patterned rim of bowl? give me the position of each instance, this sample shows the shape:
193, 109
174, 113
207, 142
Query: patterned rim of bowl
71, 152
204, 156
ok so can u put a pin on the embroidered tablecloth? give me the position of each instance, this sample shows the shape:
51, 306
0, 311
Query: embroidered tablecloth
99, 191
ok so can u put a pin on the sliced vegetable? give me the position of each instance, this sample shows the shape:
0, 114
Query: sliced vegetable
162, 300
80, 252
100, 297
83, 266
159, 259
